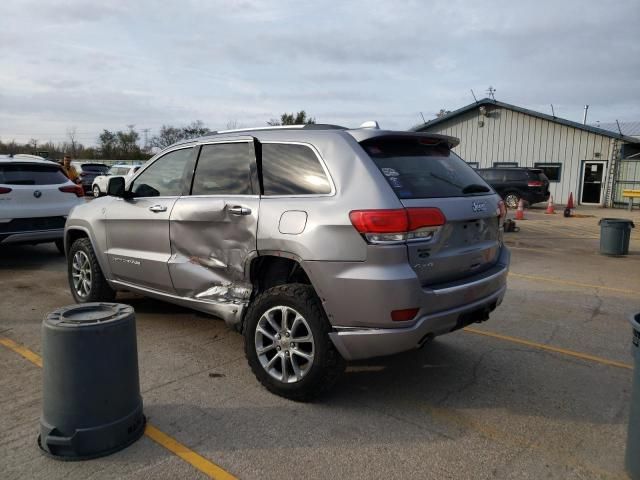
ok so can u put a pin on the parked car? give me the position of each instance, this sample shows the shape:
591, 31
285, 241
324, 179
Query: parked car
320, 244
99, 185
515, 183
88, 172
35, 199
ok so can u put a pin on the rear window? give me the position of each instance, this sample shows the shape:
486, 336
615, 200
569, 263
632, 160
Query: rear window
415, 168
30, 174
94, 168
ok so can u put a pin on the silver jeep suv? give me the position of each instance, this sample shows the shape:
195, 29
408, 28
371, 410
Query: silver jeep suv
318, 243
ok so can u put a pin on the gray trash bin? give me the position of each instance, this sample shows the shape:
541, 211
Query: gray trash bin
91, 403
632, 459
614, 235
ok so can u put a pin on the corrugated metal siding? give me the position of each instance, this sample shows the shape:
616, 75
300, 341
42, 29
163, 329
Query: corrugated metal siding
510, 136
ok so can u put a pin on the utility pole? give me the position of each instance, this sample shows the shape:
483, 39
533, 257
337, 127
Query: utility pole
146, 138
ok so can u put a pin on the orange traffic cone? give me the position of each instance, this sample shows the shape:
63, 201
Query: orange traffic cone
569, 206
550, 206
520, 211
570, 201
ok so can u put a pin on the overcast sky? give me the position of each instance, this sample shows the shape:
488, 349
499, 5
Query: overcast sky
94, 65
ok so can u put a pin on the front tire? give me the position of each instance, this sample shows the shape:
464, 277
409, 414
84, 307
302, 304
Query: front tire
96, 191
86, 281
287, 343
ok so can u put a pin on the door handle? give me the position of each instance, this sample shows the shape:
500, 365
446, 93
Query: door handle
158, 208
239, 210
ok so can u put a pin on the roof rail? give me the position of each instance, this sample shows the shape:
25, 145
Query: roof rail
310, 126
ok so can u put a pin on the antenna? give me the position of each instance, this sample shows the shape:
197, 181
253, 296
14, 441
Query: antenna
423, 120
474, 96
619, 129
491, 92
553, 113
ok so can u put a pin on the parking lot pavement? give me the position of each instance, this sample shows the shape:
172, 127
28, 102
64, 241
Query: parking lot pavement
469, 405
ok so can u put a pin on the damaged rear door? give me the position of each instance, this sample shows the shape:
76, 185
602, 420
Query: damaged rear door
213, 230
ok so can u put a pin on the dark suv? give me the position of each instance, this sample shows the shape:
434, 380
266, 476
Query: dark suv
513, 184
88, 172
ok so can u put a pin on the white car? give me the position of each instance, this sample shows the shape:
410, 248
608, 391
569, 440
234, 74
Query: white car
101, 182
35, 200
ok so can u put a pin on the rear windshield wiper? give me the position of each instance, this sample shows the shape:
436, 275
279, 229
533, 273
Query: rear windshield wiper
475, 188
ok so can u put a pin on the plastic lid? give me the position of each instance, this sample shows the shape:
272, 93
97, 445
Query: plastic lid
88, 314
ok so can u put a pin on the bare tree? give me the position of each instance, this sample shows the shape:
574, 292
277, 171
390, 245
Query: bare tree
71, 133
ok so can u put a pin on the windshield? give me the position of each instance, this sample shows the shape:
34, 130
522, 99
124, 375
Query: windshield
422, 168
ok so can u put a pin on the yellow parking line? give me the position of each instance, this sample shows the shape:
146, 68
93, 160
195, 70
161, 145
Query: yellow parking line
188, 455
571, 283
207, 467
20, 350
549, 348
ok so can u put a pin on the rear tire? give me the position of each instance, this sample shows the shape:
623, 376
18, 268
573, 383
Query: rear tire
511, 200
96, 191
86, 281
300, 345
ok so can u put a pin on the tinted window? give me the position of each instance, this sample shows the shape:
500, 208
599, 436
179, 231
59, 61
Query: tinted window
421, 170
25, 174
513, 175
164, 177
292, 170
94, 168
224, 169
505, 164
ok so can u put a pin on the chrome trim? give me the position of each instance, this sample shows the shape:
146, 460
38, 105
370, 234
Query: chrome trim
464, 286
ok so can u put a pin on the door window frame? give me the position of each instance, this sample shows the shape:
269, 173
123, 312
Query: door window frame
603, 183
253, 169
143, 168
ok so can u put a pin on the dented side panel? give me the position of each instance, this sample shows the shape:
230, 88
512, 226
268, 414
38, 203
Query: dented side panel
210, 245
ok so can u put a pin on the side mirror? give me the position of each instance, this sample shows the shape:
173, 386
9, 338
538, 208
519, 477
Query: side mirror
116, 187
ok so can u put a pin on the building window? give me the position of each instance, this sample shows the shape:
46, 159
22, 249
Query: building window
505, 164
473, 164
551, 170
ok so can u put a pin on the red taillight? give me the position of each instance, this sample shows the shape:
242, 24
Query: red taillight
4, 190
535, 183
404, 315
77, 189
380, 221
397, 225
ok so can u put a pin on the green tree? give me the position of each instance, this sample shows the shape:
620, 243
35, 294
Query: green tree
299, 118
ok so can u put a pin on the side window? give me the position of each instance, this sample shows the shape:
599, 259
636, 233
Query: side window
289, 169
515, 175
224, 169
551, 170
164, 177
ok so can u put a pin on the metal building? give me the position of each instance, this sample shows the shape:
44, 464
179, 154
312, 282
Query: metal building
593, 163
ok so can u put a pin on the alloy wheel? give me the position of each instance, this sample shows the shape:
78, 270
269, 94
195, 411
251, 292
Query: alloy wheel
284, 344
511, 200
81, 273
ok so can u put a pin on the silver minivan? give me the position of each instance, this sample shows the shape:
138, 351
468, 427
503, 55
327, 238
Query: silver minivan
320, 244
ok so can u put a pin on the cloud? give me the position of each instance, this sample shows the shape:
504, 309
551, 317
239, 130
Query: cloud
112, 63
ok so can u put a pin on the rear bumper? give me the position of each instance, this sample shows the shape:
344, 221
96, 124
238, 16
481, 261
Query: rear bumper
354, 344
361, 320
537, 197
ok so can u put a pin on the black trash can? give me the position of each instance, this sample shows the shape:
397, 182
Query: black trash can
632, 458
91, 393
614, 235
